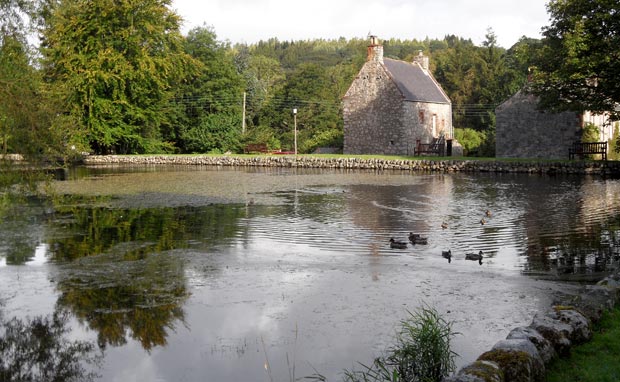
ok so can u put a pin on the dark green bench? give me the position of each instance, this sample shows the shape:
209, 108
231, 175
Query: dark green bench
587, 148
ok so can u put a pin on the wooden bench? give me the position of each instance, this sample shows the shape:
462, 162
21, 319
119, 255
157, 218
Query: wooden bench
434, 148
254, 148
587, 148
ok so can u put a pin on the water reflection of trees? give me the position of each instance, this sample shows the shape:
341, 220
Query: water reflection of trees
116, 298
121, 272
80, 232
39, 350
21, 228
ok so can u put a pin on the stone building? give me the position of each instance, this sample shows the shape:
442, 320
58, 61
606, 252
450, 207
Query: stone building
523, 131
392, 106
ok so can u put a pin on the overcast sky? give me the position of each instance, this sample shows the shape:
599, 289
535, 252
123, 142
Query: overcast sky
252, 20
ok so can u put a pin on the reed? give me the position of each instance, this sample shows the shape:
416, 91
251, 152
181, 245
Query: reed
421, 353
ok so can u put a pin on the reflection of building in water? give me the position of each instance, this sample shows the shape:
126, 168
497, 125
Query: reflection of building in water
397, 209
568, 228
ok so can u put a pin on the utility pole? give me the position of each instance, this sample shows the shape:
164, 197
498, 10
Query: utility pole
243, 118
295, 124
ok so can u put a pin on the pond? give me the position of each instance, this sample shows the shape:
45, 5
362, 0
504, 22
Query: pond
272, 274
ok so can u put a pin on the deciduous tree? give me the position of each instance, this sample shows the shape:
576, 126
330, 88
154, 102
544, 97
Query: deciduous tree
580, 64
118, 59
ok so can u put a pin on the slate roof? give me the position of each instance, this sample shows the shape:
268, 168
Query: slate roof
414, 83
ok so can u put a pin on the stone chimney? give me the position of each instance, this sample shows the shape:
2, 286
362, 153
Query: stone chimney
422, 60
375, 50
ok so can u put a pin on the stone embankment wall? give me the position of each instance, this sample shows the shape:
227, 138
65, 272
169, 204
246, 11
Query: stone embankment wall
526, 351
426, 165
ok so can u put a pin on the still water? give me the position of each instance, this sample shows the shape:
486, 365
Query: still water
218, 274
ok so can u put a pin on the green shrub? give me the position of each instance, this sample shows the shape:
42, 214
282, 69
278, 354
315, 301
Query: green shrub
590, 133
325, 138
470, 139
262, 134
215, 132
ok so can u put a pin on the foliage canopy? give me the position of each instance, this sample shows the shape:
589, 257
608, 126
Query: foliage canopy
579, 65
118, 61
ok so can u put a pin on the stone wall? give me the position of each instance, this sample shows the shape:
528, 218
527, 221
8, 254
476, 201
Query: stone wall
354, 163
420, 120
524, 132
372, 110
526, 352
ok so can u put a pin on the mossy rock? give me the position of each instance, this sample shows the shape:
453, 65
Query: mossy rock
517, 366
478, 371
554, 331
484, 371
558, 308
582, 326
545, 348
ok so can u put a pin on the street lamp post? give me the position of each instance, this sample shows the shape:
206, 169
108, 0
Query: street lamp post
295, 124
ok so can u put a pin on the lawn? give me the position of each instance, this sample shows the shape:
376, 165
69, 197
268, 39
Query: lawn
595, 361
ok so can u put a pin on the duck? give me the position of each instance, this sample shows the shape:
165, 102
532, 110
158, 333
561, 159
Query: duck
397, 244
444, 225
447, 255
421, 240
483, 222
474, 256
416, 238
487, 213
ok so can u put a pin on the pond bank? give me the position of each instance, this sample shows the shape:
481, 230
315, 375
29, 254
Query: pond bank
609, 168
526, 351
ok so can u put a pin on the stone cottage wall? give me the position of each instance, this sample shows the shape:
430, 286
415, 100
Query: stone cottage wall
373, 114
524, 132
421, 114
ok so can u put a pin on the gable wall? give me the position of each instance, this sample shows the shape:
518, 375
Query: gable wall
524, 132
373, 113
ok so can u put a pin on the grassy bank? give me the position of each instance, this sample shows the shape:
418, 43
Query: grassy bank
595, 361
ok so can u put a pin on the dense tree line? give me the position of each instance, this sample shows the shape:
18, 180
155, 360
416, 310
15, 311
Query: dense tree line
119, 77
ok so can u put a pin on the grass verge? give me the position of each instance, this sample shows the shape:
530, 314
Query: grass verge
595, 361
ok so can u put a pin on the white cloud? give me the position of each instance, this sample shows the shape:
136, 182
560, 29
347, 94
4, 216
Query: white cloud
251, 21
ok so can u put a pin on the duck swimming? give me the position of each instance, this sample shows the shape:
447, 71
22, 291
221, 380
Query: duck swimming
397, 244
444, 225
482, 221
474, 256
416, 238
447, 255
488, 213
